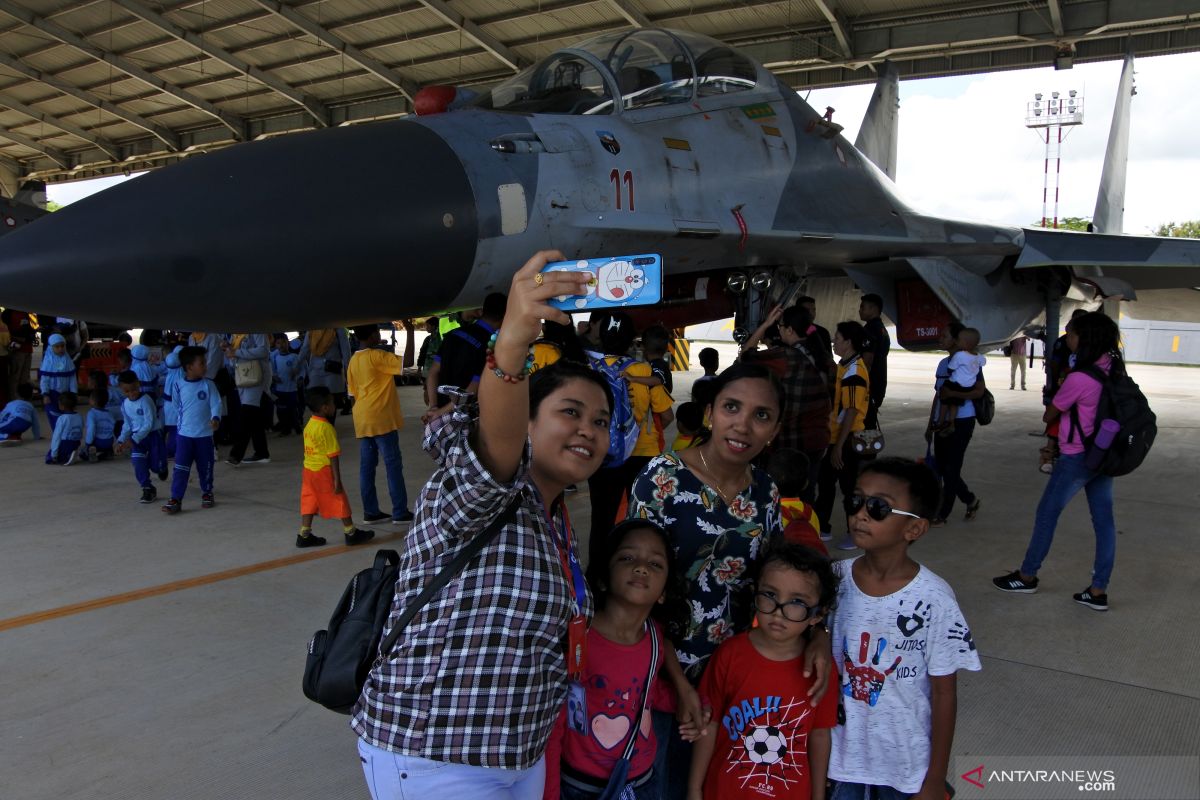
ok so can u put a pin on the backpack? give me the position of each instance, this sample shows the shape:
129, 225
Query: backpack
623, 429
1123, 402
985, 408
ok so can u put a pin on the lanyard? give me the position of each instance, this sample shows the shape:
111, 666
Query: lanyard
566, 557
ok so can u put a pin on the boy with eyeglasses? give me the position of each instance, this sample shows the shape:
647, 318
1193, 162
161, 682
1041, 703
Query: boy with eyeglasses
766, 739
899, 638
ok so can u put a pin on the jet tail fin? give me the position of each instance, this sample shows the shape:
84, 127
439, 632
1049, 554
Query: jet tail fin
1109, 216
879, 133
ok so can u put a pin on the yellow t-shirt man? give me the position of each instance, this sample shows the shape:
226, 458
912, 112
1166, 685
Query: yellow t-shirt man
369, 380
320, 443
853, 392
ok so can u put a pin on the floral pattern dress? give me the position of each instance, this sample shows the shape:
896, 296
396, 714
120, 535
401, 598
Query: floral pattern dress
715, 547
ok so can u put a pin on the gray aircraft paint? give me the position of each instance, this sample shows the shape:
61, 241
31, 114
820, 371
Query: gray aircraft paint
879, 135
253, 237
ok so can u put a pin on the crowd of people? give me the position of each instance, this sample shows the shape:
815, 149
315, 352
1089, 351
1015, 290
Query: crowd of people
706, 647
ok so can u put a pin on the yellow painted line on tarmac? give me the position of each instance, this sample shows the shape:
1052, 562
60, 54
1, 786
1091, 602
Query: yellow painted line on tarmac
174, 586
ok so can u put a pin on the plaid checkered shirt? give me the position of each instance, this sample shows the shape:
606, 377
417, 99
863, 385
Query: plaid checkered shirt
805, 415
479, 675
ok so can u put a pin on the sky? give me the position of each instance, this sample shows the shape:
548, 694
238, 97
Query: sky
965, 152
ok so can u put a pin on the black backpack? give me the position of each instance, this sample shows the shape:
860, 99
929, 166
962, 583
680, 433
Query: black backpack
1123, 402
340, 658
985, 408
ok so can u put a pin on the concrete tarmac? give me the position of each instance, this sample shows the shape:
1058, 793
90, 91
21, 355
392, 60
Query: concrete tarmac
146, 656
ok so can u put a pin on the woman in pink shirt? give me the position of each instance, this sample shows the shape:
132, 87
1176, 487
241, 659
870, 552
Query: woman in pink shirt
1094, 339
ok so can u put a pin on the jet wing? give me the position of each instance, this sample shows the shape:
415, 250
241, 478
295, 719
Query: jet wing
1143, 262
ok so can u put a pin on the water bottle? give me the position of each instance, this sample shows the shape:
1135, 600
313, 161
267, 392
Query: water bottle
1109, 429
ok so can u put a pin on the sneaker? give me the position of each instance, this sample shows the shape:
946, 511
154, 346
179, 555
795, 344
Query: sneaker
257, 459
149, 493
937, 522
163, 474
207, 501
826, 536
404, 519
973, 508
571, 489
233, 462
309, 540
1012, 582
71, 458
375, 519
847, 543
359, 536
1096, 602
1047, 468
9, 442
172, 506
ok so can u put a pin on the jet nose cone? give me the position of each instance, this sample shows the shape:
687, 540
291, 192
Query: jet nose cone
340, 226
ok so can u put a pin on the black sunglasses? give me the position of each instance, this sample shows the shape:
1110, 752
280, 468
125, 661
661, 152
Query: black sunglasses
793, 610
877, 508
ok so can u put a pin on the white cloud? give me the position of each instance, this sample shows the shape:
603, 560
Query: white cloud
965, 152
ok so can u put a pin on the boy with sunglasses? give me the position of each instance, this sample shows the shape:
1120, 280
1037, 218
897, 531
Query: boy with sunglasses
899, 637
766, 739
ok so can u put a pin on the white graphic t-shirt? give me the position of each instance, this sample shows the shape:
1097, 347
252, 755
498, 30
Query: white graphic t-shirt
885, 649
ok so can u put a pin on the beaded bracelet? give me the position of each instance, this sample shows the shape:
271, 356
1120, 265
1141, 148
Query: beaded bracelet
501, 374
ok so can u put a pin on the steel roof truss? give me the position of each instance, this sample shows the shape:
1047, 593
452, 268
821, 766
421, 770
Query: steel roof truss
316, 109
53, 153
627, 10
106, 146
474, 32
837, 21
334, 42
231, 121
1056, 18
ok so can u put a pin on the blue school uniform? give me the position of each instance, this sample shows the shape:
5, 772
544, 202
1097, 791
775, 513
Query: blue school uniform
143, 427
68, 433
99, 431
199, 406
286, 368
17, 417
169, 407
56, 375
147, 374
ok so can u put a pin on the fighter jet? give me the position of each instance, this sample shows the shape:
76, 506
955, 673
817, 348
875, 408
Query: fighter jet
638, 141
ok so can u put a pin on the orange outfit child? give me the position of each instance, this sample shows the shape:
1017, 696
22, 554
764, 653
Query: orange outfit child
800, 524
316, 490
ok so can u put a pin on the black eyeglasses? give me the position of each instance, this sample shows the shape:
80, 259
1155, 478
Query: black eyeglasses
793, 610
877, 508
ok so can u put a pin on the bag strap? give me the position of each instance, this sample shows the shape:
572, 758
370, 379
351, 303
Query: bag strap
637, 722
447, 574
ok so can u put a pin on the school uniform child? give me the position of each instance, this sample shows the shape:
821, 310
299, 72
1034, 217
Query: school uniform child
99, 428
765, 738
899, 638
19, 416
286, 368
169, 406
606, 701
57, 375
142, 434
68, 432
198, 407
146, 372
321, 490
788, 467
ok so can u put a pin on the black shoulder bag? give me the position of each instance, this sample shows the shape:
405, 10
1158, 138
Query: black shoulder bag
340, 657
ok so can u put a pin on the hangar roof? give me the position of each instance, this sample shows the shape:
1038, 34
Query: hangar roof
90, 87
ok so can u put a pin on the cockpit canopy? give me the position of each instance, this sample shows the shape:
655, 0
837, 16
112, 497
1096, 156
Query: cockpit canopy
643, 67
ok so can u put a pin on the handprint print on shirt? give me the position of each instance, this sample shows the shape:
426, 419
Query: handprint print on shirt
866, 682
909, 625
960, 632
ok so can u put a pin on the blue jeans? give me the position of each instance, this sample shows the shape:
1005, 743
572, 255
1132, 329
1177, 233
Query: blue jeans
861, 791
672, 760
1069, 476
392, 776
370, 448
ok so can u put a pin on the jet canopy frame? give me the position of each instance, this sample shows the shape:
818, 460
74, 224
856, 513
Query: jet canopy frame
642, 67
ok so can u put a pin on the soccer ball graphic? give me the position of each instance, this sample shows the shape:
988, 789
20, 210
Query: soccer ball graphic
765, 745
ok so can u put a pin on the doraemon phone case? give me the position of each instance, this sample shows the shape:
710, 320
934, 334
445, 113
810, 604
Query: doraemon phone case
619, 281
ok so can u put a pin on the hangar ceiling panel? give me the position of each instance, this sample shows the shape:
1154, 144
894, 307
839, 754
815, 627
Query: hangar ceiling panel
111, 85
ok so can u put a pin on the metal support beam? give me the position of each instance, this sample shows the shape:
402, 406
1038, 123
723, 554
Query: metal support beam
105, 146
236, 124
474, 32
841, 29
164, 135
627, 10
330, 40
1056, 19
53, 153
316, 109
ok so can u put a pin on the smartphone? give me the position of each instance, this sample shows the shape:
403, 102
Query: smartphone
616, 282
